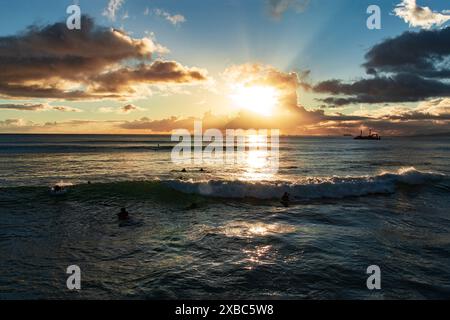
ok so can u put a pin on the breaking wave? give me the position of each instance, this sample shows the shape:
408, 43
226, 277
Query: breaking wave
308, 188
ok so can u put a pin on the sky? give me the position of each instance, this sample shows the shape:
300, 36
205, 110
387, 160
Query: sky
307, 67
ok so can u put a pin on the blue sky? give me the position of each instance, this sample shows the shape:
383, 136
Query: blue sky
329, 38
217, 33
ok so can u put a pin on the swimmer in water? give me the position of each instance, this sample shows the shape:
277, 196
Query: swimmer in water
285, 199
201, 170
192, 206
123, 214
184, 170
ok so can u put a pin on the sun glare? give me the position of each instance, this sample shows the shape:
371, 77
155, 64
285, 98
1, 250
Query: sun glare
258, 99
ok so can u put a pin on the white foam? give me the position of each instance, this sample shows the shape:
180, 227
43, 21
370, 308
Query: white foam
307, 188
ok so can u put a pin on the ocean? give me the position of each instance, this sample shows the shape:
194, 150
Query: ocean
222, 233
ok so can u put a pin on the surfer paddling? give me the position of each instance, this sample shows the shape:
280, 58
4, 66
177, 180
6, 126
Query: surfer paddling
123, 214
285, 199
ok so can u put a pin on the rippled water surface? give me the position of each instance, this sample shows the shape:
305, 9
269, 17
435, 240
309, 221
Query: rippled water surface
223, 233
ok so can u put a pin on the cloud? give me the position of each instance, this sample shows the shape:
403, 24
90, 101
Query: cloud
290, 117
112, 8
397, 88
122, 110
164, 125
252, 74
159, 72
11, 124
130, 108
36, 107
54, 62
417, 16
424, 53
436, 109
71, 126
413, 66
430, 116
278, 7
175, 19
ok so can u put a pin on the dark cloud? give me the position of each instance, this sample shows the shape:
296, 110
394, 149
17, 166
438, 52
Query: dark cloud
397, 88
36, 107
425, 53
385, 127
411, 67
159, 72
128, 108
55, 62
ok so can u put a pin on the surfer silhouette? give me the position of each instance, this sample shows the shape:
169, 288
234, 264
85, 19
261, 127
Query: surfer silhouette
123, 214
285, 199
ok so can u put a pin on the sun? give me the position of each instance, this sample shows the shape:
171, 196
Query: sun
258, 99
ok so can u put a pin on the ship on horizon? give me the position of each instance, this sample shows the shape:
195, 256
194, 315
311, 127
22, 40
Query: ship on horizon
371, 136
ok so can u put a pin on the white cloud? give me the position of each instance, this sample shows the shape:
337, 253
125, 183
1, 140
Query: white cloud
112, 8
418, 16
173, 19
278, 7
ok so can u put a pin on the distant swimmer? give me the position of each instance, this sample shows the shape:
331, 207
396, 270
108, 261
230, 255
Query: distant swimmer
201, 170
184, 170
89, 182
123, 214
192, 206
285, 199
58, 190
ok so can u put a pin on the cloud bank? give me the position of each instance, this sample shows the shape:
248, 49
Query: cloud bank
54, 62
431, 116
411, 67
36, 107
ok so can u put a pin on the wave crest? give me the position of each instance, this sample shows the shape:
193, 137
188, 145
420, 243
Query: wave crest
307, 188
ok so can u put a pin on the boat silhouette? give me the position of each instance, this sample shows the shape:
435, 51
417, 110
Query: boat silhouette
371, 136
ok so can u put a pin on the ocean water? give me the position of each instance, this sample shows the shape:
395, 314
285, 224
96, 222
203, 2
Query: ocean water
222, 233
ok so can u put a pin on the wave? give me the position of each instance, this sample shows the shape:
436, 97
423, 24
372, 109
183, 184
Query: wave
304, 189
308, 188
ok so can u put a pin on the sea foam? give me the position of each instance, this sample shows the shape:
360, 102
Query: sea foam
307, 188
